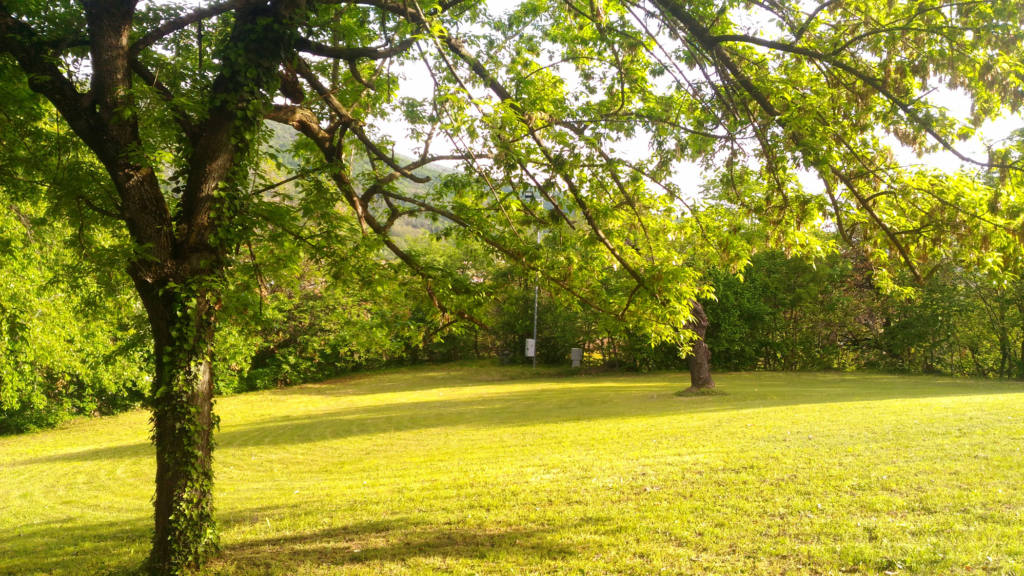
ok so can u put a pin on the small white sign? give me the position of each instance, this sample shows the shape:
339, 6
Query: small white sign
531, 347
576, 355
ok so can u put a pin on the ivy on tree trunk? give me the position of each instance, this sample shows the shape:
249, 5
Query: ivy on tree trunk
183, 319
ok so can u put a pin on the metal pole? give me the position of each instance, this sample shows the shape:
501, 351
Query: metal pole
536, 291
536, 294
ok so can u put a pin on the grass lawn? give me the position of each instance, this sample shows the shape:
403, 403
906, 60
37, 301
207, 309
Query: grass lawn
479, 469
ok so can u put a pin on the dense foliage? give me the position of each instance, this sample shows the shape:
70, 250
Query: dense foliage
792, 314
72, 341
73, 338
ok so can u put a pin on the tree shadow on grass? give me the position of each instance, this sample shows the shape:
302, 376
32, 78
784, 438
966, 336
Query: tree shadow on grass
575, 400
506, 408
382, 542
68, 546
120, 547
425, 377
116, 452
74, 546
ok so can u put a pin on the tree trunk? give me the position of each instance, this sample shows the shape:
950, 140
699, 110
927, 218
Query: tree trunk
182, 320
700, 356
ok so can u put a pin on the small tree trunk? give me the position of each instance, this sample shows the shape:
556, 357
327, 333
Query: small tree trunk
700, 358
182, 403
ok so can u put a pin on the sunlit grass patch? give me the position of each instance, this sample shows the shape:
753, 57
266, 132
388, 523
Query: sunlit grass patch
483, 469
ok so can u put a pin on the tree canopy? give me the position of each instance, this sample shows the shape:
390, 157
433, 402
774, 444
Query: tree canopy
169, 100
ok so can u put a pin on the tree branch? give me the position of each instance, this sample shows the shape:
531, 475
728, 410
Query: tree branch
353, 53
181, 116
175, 24
871, 81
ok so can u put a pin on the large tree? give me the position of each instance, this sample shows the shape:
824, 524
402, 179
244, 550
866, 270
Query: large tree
171, 100
174, 194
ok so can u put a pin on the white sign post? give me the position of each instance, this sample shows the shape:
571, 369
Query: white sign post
576, 355
531, 348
